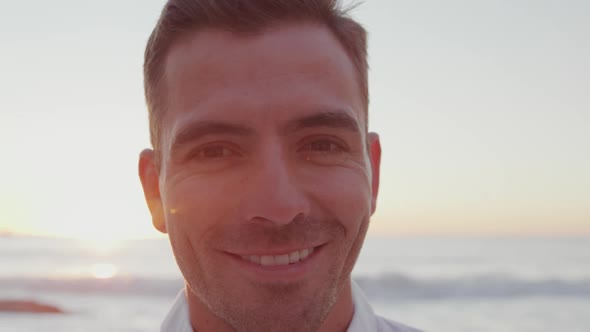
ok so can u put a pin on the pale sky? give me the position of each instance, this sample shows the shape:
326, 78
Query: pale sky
483, 109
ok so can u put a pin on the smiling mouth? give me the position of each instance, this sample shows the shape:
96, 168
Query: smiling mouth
280, 260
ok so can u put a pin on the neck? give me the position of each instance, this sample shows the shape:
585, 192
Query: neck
338, 319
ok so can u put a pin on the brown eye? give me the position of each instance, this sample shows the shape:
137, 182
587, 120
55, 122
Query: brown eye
212, 152
214, 157
324, 151
324, 146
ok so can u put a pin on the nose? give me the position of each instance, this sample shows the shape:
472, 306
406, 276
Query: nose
273, 192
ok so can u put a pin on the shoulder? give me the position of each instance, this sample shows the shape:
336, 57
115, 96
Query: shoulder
365, 319
386, 325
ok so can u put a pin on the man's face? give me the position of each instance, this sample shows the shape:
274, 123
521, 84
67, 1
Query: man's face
267, 177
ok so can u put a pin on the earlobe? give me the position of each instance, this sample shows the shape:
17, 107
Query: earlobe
375, 158
149, 176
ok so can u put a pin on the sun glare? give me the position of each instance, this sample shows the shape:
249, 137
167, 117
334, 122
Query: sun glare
104, 271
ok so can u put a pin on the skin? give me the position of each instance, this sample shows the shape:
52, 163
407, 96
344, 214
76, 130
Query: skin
263, 151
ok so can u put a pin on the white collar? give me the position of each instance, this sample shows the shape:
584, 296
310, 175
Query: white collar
364, 318
178, 319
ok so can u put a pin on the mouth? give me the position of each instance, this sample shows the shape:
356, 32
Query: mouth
288, 265
280, 260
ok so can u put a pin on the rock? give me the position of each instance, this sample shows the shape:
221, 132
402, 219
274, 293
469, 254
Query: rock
28, 307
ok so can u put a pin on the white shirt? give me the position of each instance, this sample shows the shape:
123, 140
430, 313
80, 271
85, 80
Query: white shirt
363, 320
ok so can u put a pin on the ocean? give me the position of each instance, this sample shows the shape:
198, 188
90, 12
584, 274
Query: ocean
446, 284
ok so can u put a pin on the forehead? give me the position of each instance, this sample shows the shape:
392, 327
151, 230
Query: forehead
213, 73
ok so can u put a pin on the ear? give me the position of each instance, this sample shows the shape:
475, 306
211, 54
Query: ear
150, 181
375, 157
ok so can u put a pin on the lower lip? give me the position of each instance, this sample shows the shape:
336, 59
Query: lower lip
278, 273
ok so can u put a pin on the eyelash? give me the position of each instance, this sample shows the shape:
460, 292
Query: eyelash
336, 147
332, 141
201, 150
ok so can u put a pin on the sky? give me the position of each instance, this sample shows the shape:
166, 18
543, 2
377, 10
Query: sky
483, 109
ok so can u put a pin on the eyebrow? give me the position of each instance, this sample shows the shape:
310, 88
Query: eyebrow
330, 119
198, 130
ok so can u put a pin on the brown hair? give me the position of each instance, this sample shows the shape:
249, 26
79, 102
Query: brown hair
242, 17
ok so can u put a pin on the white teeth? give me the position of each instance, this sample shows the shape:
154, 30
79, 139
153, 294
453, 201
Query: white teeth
292, 258
304, 253
254, 259
267, 260
282, 260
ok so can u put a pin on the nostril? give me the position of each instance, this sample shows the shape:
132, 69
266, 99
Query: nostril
278, 218
275, 208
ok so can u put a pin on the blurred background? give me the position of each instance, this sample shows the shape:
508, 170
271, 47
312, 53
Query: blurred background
483, 222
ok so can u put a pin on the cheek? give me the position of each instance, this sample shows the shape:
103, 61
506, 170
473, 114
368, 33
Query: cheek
198, 203
344, 194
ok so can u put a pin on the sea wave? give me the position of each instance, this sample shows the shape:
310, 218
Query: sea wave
399, 286
388, 287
